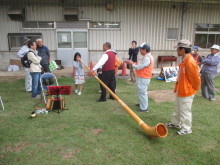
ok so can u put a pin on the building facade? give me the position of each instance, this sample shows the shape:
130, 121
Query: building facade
69, 26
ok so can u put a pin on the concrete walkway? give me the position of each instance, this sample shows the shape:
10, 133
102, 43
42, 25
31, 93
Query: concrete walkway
67, 72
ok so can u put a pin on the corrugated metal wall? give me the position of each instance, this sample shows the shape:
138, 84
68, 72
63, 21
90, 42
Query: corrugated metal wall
140, 20
143, 22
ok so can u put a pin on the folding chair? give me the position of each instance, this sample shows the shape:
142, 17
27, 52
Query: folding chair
3, 108
45, 88
56, 101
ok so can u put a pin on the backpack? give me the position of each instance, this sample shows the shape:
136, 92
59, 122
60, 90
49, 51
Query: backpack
25, 61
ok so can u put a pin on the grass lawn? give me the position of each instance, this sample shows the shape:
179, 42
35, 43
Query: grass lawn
103, 133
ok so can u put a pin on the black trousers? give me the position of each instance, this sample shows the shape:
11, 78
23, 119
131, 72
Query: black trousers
108, 78
46, 69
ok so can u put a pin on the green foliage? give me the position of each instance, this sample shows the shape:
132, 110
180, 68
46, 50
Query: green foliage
103, 133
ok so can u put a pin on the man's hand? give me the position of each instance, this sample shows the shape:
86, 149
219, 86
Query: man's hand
129, 62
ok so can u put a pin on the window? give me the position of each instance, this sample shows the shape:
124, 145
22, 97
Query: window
38, 25
80, 39
15, 40
207, 35
64, 40
104, 25
172, 33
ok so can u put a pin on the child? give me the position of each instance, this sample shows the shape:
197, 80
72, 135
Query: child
79, 73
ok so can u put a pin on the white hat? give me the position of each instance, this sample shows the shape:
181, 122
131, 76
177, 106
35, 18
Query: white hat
215, 47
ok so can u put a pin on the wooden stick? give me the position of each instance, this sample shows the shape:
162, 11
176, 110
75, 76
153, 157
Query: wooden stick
160, 130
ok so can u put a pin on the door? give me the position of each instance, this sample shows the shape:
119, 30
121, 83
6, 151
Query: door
70, 42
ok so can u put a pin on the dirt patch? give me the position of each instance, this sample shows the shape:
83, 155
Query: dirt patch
68, 155
162, 96
218, 89
16, 148
218, 101
97, 131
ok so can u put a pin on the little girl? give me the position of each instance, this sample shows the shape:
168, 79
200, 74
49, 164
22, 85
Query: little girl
79, 73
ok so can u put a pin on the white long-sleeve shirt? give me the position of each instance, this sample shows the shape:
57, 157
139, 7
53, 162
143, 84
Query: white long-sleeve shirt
145, 62
24, 49
102, 61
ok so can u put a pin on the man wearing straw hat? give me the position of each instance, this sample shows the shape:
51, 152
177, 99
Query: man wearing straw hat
186, 86
28, 80
144, 73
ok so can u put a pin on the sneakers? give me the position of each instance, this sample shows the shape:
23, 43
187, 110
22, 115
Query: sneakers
172, 125
79, 93
143, 110
76, 91
212, 99
184, 132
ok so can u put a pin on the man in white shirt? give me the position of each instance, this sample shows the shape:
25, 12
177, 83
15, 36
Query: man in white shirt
107, 63
28, 80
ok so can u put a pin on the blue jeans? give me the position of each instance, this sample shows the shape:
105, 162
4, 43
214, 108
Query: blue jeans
36, 88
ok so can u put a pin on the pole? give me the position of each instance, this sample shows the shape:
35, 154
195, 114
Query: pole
160, 130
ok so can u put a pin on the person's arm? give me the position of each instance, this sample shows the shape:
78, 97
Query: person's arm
199, 59
130, 53
48, 53
101, 62
35, 59
144, 63
215, 60
22, 51
135, 51
192, 72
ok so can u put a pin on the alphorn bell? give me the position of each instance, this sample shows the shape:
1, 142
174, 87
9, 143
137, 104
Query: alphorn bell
160, 130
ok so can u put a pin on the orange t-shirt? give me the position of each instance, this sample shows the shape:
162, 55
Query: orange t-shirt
188, 78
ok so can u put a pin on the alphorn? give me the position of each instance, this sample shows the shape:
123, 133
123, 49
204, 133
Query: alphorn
160, 130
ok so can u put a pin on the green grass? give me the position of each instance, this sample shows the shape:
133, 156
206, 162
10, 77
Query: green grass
103, 133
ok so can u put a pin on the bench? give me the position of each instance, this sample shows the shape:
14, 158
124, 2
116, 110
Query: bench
16, 62
162, 59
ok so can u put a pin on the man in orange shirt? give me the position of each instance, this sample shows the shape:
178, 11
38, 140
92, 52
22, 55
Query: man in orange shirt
187, 84
196, 55
144, 73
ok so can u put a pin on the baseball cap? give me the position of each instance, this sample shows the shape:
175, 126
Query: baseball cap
195, 48
215, 47
26, 40
144, 46
183, 43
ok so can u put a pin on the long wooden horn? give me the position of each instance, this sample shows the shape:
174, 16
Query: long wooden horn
160, 130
